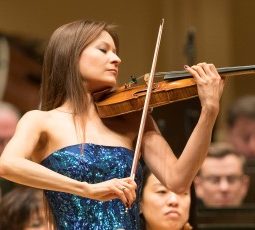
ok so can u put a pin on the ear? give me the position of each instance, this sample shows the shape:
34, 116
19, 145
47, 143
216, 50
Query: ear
245, 186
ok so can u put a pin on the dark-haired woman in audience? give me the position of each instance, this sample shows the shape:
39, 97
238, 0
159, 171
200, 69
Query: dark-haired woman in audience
22, 209
162, 209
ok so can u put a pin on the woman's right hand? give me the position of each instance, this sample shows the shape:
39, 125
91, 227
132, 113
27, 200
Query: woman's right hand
123, 189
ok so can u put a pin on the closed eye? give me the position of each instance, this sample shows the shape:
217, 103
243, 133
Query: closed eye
161, 191
103, 50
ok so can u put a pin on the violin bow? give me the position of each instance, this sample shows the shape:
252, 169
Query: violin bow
146, 103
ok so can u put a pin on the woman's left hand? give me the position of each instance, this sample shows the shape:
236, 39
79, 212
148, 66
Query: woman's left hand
209, 85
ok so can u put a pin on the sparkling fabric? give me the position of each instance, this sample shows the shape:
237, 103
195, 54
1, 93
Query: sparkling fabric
97, 163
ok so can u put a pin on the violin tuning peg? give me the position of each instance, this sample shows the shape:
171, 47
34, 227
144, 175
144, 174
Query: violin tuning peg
146, 78
133, 79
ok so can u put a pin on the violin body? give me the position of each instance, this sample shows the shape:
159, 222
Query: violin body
130, 99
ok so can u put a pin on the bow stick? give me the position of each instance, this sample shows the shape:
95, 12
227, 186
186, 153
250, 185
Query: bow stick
146, 103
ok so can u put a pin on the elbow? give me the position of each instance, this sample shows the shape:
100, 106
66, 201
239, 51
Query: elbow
177, 186
181, 190
178, 189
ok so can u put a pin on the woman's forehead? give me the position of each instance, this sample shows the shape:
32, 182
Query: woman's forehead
104, 37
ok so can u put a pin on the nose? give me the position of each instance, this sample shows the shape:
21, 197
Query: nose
224, 184
115, 58
172, 199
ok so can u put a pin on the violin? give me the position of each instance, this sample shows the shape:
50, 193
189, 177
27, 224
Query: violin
130, 97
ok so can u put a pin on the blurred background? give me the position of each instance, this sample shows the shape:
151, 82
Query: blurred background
219, 32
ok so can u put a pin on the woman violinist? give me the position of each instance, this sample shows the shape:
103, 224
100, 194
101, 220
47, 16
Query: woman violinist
83, 162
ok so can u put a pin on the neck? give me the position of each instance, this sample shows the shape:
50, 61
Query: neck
68, 107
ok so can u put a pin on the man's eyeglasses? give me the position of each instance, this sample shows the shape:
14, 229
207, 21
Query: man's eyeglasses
215, 180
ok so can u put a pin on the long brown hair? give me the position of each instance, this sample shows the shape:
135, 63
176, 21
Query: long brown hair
61, 78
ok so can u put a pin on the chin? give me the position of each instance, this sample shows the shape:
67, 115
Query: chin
167, 226
108, 82
111, 81
100, 86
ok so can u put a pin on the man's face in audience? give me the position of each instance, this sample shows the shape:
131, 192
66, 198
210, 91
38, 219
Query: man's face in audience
221, 182
242, 136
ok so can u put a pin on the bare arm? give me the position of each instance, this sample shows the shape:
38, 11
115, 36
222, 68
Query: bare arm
15, 165
177, 175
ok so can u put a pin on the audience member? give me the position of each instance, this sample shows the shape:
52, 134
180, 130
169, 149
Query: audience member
221, 181
241, 125
162, 209
22, 209
9, 116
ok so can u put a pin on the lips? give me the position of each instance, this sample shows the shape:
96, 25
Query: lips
172, 213
115, 71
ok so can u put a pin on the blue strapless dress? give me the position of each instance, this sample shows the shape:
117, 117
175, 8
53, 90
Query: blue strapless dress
96, 164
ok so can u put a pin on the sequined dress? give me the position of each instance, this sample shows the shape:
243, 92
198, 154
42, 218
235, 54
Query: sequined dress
96, 164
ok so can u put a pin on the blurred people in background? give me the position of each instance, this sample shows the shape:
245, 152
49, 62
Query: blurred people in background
241, 125
221, 181
162, 209
22, 209
9, 116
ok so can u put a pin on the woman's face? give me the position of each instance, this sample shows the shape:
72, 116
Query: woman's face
163, 209
99, 63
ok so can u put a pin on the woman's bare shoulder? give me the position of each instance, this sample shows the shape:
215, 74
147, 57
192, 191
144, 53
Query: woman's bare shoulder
34, 118
34, 115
